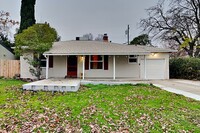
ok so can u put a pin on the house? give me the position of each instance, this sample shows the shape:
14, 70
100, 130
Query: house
6, 53
102, 60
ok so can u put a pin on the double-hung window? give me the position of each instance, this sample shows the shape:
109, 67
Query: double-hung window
132, 59
96, 62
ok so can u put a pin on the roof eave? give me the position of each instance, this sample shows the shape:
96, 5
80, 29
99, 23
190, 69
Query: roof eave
127, 53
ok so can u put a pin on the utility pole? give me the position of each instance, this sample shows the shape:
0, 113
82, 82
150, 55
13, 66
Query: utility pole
127, 33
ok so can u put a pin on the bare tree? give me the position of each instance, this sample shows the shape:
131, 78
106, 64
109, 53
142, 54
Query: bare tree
6, 35
6, 23
179, 24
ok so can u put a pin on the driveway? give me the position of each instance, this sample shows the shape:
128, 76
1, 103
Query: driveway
187, 88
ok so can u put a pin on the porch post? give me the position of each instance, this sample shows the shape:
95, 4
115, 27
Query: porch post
145, 71
83, 67
47, 66
113, 67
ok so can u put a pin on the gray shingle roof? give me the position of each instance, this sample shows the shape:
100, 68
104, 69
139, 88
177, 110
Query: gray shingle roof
99, 48
156, 50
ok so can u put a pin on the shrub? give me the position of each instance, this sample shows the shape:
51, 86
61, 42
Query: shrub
185, 68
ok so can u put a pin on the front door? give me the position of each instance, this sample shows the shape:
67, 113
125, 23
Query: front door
72, 66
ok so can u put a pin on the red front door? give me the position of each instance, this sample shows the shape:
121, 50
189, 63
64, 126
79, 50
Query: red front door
72, 66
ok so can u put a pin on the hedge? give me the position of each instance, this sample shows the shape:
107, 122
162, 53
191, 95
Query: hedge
185, 68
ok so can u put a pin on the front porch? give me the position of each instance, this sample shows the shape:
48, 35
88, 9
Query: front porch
93, 67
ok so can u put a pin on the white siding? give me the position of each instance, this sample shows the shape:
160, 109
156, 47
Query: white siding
59, 69
126, 70
157, 68
123, 69
5, 54
96, 73
25, 66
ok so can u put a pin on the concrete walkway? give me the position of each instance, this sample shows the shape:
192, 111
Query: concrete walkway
187, 88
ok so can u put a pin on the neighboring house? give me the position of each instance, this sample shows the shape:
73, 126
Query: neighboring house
103, 60
6, 53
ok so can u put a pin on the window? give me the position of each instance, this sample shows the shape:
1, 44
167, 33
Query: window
133, 59
50, 61
96, 62
104, 59
43, 61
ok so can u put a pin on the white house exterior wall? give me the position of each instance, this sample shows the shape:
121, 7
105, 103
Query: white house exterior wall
123, 69
59, 69
25, 66
103, 74
5, 54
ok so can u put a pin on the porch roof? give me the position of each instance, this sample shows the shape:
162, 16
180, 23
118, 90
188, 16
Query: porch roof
100, 48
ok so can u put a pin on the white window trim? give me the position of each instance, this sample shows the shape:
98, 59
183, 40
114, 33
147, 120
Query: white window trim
96, 61
136, 57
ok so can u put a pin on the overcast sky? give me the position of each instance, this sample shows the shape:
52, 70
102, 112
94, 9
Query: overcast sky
73, 18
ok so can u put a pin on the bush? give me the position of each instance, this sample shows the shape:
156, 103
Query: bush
185, 68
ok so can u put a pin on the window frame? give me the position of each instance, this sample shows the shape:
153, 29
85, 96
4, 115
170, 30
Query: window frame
96, 61
134, 57
43, 60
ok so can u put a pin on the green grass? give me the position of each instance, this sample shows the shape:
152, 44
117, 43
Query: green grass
139, 108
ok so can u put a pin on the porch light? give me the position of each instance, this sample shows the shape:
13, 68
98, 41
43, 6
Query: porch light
82, 58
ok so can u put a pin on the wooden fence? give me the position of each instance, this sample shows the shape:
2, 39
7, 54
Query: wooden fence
9, 68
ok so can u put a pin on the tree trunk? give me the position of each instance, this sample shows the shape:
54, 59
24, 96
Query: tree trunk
191, 50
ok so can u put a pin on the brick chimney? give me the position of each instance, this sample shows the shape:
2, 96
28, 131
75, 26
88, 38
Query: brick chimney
105, 38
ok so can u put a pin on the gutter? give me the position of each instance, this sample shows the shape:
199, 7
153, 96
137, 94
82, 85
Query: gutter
63, 54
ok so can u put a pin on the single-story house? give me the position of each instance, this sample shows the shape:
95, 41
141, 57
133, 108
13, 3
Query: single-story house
6, 53
102, 60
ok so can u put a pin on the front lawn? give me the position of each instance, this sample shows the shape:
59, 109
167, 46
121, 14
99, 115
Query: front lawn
101, 108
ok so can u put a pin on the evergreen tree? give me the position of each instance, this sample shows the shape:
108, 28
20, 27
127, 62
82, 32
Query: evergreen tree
27, 14
141, 40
